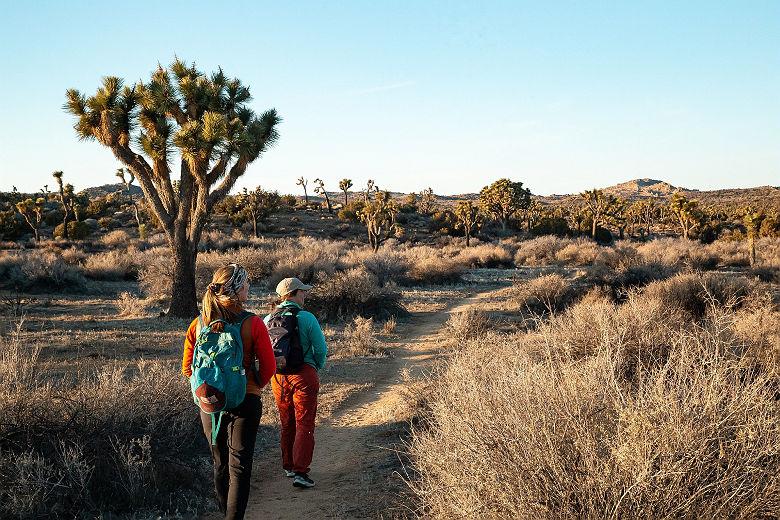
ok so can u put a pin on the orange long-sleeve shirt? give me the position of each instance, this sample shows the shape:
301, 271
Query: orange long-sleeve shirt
257, 345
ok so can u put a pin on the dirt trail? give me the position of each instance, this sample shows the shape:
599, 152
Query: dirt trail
346, 459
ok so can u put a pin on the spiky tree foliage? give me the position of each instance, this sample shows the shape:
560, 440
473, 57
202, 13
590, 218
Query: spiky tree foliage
427, 201
80, 203
33, 212
321, 189
617, 214
686, 213
303, 182
180, 112
533, 211
65, 193
410, 204
468, 218
753, 220
126, 177
644, 212
257, 205
370, 186
345, 185
503, 199
379, 216
596, 206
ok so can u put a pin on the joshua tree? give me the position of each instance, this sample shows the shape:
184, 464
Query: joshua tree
753, 220
370, 185
503, 199
596, 207
345, 185
427, 201
180, 112
127, 182
33, 212
66, 200
468, 217
686, 211
321, 189
257, 205
303, 182
618, 214
379, 217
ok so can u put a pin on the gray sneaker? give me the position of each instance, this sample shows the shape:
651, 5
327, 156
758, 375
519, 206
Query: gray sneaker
288, 473
302, 480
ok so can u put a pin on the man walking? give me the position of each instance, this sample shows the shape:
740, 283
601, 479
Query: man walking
296, 393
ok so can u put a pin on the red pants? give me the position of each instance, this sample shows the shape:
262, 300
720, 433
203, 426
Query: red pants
296, 397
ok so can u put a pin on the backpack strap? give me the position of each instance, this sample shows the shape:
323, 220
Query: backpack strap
240, 319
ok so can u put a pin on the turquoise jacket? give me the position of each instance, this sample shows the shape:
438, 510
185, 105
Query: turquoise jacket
312, 339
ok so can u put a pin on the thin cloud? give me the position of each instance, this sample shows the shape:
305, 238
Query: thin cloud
383, 88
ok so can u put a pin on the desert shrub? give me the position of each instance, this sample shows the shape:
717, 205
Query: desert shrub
679, 252
388, 327
350, 212
386, 265
112, 265
107, 223
118, 238
12, 226
114, 444
97, 208
155, 272
766, 273
428, 266
540, 251
544, 294
129, 305
216, 240
486, 255
359, 340
578, 252
539, 432
693, 293
76, 230
72, 255
350, 293
35, 270
468, 324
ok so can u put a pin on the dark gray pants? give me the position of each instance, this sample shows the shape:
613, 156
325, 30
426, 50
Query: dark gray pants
233, 454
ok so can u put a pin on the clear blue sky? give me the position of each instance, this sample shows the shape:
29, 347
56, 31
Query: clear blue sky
563, 96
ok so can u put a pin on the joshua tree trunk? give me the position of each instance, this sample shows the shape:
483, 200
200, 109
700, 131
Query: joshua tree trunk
183, 298
593, 230
752, 243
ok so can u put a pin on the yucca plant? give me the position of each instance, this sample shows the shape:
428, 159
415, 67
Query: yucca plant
183, 113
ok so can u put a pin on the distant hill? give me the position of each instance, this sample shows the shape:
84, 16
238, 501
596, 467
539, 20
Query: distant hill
762, 197
106, 189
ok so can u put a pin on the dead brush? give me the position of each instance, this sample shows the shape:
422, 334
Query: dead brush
468, 324
111, 440
130, 306
539, 432
359, 340
545, 294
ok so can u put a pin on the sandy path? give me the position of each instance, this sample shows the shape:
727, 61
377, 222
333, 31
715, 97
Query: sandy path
348, 467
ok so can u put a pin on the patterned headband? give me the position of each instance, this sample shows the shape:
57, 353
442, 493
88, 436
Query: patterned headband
227, 291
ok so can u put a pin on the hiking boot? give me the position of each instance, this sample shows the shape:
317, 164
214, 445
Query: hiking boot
288, 473
302, 480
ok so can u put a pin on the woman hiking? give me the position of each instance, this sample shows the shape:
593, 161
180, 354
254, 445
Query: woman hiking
232, 449
296, 391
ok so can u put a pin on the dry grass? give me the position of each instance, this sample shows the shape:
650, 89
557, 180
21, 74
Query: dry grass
545, 294
107, 440
620, 411
360, 340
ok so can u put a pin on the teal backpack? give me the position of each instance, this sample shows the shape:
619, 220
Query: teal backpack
218, 380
